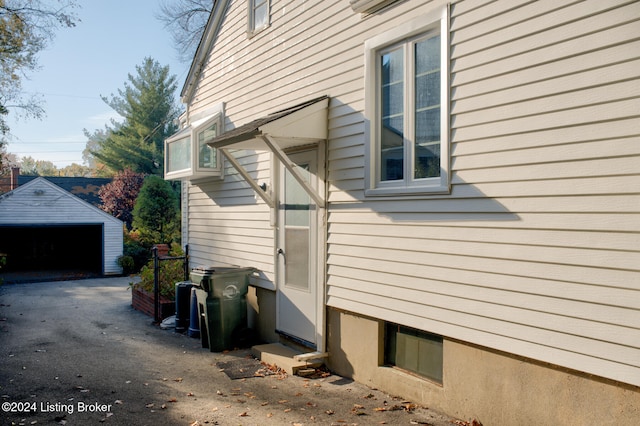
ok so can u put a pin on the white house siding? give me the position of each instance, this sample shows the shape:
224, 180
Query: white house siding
42, 203
229, 224
535, 251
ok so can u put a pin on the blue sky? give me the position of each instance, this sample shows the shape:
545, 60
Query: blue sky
83, 63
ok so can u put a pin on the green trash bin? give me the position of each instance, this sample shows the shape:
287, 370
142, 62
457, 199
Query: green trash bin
221, 293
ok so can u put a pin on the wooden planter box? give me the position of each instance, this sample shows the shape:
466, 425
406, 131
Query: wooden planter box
143, 301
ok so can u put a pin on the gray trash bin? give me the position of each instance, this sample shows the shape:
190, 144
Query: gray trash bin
222, 305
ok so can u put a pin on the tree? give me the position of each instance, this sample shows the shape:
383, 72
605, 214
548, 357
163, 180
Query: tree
25, 28
119, 196
148, 105
31, 166
156, 214
76, 170
7, 160
94, 142
186, 20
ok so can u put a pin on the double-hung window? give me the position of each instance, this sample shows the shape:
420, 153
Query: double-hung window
258, 15
407, 99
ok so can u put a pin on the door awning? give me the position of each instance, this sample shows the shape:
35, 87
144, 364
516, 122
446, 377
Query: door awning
297, 126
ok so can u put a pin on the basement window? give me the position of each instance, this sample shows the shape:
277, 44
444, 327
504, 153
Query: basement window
413, 350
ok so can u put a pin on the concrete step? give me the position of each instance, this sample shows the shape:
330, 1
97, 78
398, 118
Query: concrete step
284, 357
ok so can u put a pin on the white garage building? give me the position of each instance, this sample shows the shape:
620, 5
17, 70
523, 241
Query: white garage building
44, 227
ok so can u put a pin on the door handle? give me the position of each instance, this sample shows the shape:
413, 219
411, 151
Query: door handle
281, 252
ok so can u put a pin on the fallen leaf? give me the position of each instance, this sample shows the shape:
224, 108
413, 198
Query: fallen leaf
410, 407
190, 394
150, 405
287, 410
163, 406
118, 402
178, 379
243, 414
282, 401
172, 400
330, 412
269, 414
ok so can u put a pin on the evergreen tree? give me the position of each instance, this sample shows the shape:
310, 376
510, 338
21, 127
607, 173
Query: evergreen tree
156, 215
148, 105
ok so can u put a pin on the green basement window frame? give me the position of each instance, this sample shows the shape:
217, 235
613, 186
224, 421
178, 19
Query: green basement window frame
413, 350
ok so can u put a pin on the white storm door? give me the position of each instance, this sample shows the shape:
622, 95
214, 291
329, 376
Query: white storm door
297, 252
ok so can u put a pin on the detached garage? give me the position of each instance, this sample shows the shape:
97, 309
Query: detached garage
44, 227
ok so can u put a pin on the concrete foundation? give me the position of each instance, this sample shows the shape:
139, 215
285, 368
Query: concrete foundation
261, 305
492, 387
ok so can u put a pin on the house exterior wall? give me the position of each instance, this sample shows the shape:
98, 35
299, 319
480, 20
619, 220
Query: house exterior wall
534, 252
495, 388
42, 203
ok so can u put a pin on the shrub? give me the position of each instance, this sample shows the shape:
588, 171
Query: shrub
127, 264
170, 272
156, 214
135, 254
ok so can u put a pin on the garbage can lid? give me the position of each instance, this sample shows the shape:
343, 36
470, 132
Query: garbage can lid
209, 270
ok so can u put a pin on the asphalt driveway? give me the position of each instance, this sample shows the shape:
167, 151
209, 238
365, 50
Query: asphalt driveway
76, 353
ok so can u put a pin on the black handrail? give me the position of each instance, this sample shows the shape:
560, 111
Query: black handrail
156, 278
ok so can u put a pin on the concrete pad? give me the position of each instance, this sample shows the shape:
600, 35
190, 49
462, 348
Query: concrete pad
281, 356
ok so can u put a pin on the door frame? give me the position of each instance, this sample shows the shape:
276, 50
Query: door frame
320, 238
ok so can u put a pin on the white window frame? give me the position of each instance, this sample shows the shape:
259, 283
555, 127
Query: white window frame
194, 171
436, 22
251, 25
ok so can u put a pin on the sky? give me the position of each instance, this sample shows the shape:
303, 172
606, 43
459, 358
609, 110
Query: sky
83, 63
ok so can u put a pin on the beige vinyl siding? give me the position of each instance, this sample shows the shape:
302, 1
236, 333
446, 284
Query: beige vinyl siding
229, 224
536, 249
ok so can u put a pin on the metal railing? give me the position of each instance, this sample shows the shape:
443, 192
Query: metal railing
156, 276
